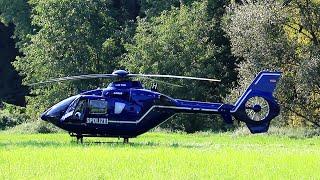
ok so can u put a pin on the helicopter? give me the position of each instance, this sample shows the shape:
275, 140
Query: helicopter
125, 109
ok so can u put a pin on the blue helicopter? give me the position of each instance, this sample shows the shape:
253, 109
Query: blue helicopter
125, 109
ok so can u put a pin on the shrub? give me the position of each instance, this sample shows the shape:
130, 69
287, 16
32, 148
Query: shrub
11, 116
34, 127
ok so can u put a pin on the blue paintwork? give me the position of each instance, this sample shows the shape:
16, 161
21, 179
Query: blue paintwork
145, 109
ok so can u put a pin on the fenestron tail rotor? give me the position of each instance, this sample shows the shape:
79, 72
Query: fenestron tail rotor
257, 108
122, 74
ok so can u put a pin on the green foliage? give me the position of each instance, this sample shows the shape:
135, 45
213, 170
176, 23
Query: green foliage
75, 37
283, 131
15, 26
264, 35
150, 8
79, 37
11, 116
34, 127
180, 37
17, 12
256, 35
180, 42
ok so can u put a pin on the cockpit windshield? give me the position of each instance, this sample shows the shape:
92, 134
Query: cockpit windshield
57, 109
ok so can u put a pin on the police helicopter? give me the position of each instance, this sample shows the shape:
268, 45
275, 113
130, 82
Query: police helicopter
125, 109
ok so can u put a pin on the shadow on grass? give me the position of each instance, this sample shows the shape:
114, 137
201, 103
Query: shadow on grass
42, 144
148, 144
30, 143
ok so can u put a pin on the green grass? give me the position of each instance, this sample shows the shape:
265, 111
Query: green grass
159, 156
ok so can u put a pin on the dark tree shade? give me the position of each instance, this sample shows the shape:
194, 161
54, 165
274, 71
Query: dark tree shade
11, 90
125, 10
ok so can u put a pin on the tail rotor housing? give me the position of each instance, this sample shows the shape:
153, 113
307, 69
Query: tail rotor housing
257, 106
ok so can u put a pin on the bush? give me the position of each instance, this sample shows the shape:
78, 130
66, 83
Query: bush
296, 133
11, 116
35, 127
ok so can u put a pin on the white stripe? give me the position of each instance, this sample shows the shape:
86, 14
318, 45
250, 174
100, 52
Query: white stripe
248, 92
268, 74
242, 99
168, 107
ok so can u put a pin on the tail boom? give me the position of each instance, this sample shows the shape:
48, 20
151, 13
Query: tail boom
256, 106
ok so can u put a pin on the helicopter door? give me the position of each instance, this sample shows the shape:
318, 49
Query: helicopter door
98, 111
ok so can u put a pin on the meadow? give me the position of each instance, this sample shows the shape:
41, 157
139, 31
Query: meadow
159, 155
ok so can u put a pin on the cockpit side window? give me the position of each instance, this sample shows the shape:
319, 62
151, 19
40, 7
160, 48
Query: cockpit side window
79, 109
98, 106
72, 106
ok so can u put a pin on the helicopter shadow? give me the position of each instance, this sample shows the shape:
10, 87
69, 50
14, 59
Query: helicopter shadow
146, 144
30, 143
118, 144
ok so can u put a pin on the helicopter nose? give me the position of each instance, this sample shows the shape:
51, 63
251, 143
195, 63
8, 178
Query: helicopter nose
54, 113
46, 117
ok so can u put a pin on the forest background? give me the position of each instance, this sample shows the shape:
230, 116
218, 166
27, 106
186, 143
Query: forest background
227, 40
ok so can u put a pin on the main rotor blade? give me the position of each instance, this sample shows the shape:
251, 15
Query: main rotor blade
167, 83
147, 76
172, 76
72, 78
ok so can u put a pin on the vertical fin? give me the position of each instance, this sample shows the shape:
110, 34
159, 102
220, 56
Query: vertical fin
261, 88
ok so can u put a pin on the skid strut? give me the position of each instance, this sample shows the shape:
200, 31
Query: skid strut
79, 137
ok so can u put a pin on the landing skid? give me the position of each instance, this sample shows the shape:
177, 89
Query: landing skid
81, 136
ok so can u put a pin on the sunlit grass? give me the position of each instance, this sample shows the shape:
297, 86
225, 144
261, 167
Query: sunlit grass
159, 156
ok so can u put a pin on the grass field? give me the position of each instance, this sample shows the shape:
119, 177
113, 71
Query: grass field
159, 156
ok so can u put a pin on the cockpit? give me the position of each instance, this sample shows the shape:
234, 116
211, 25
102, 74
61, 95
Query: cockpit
87, 107
55, 112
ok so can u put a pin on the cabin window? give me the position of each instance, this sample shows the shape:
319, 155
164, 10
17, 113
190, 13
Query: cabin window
118, 107
98, 106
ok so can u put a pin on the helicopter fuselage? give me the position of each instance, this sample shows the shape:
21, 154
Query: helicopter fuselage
123, 109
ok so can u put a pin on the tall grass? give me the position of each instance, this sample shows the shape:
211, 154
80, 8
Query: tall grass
159, 156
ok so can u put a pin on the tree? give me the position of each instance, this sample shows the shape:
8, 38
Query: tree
11, 90
17, 12
181, 42
277, 36
15, 26
150, 8
74, 37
